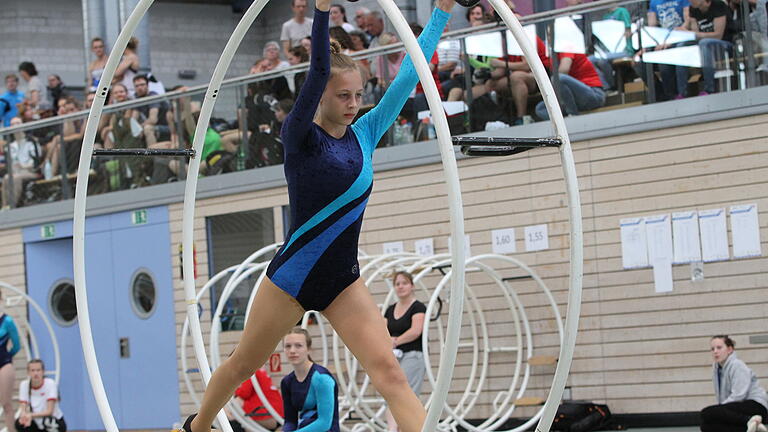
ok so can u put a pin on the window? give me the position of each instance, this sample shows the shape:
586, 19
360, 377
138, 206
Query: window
231, 239
143, 294
61, 302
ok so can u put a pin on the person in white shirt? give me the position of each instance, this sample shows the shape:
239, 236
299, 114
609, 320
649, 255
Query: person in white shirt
22, 158
39, 400
296, 28
339, 18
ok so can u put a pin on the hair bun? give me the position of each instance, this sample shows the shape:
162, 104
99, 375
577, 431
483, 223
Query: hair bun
335, 47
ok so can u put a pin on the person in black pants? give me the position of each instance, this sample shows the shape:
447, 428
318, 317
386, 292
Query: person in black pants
740, 399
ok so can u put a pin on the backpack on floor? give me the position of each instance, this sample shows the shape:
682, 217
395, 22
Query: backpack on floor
581, 417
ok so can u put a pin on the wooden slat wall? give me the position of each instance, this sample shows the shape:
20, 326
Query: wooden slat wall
637, 350
12, 273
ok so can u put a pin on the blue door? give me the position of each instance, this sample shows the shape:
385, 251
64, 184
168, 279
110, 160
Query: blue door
133, 323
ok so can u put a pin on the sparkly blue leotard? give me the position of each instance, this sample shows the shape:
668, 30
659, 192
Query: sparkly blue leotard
8, 333
329, 179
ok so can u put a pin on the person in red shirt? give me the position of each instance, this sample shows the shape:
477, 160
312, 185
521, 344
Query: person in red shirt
522, 83
580, 86
252, 404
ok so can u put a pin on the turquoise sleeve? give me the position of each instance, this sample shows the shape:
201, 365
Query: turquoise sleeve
10, 327
370, 127
322, 386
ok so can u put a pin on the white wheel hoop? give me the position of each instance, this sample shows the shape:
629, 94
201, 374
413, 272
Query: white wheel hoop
574, 205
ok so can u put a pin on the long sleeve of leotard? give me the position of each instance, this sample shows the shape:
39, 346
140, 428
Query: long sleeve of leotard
291, 412
299, 122
13, 333
370, 127
322, 386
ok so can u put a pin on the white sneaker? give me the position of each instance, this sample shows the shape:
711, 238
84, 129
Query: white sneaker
755, 424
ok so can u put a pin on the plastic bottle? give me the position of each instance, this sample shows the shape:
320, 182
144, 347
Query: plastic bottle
47, 170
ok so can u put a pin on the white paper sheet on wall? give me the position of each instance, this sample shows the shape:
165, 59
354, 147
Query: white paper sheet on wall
659, 233
393, 247
685, 237
714, 235
745, 228
634, 248
424, 247
662, 274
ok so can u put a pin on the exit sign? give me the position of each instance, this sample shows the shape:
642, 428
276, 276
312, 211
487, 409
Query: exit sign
139, 217
48, 231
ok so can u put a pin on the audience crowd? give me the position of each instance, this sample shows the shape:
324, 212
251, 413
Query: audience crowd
499, 91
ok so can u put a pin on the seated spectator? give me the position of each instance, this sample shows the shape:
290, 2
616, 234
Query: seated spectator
604, 63
450, 69
306, 42
277, 87
36, 95
297, 55
374, 26
711, 21
580, 86
72, 137
339, 18
272, 56
387, 66
477, 15
128, 67
24, 159
296, 28
253, 406
670, 15
96, 67
10, 100
342, 37
359, 41
156, 119
55, 90
124, 131
39, 400
740, 399
360, 18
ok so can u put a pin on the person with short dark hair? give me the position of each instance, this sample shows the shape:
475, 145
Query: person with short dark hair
39, 400
740, 399
156, 118
711, 21
296, 28
55, 90
10, 100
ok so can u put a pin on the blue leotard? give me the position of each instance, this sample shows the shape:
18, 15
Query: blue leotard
311, 405
8, 333
329, 179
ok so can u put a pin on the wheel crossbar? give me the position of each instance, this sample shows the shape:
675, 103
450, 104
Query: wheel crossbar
145, 152
501, 146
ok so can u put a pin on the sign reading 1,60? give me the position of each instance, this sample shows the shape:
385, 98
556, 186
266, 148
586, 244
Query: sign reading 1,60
503, 241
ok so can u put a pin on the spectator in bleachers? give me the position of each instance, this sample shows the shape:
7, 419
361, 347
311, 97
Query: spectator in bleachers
156, 119
24, 159
271, 54
55, 90
10, 100
740, 399
580, 86
374, 26
342, 37
297, 55
711, 21
339, 18
758, 37
476, 15
128, 67
296, 28
604, 63
118, 133
306, 42
386, 66
72, 132
359, 40
96, 67
670, 15
36, 94
450, 70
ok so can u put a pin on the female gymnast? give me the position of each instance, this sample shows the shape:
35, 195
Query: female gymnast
740, 399
310, 393
328, 168
405, 320
8, 333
